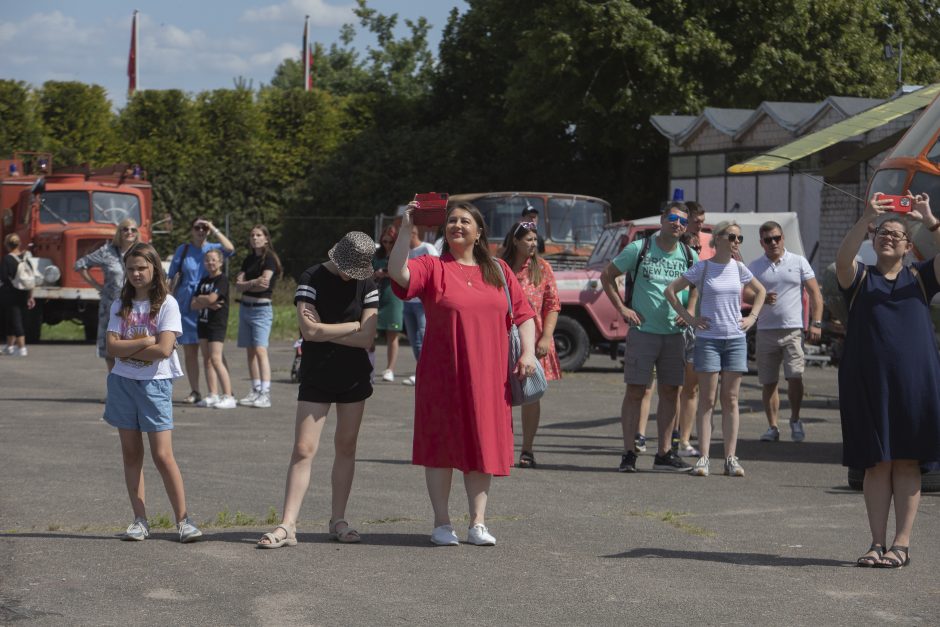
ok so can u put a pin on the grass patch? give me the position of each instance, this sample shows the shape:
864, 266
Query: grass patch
273, 517
674, 519
55, 527
161, 521
225, 519
386, 521
65, 331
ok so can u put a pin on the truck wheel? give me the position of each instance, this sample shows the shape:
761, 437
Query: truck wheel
33, 324
571, 343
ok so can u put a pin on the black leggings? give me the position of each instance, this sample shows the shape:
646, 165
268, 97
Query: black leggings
13, 310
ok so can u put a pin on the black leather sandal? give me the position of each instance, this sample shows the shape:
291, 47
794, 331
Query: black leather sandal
869, 561
896, 561
526, 460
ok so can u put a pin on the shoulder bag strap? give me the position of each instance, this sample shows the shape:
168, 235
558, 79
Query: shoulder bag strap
858, 287
920, 282
505, 289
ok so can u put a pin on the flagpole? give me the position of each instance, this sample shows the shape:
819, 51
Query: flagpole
305, 53
136, 48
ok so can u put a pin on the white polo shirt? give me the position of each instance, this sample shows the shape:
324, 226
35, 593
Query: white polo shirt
785, 277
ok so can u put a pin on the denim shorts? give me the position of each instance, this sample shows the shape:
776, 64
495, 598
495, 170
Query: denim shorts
254, 325
140, 405
713, 355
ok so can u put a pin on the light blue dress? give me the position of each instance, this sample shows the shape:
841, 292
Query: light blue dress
188, 262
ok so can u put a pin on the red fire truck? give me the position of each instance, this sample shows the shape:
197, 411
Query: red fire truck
62, 216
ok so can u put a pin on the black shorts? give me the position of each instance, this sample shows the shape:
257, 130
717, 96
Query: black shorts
209, 332
312, 394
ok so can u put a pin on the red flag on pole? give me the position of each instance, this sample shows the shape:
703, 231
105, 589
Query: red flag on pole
132, 59
305, 54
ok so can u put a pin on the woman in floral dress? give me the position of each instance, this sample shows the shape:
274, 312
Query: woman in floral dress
520, 251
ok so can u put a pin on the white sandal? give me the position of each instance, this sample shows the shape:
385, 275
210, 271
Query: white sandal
276, 542
347, 535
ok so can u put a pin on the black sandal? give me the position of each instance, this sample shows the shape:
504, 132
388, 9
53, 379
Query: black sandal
896, 561
526, 460
868, 561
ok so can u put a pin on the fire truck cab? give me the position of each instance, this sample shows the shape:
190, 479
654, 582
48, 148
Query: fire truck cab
62, 216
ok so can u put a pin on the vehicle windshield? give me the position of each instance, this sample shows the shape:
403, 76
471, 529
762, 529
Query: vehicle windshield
888, 182
576, 220
607, 247
111, 208
73, 207
501, 212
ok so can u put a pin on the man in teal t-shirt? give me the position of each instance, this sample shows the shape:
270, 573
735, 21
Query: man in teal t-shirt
654, 338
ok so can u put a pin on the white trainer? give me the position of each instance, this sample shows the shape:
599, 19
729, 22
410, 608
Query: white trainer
700, 469
480, 536
388, 376
226, 402
208, 401
263, 401
249, 401
22, 352
444, 536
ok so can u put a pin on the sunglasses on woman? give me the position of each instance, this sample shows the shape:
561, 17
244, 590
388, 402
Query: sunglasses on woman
772, 239
734, 238
529, 226
200, 227
128, 229
674, 217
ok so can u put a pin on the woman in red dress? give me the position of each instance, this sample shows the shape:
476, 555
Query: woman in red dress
521, 251
463, 417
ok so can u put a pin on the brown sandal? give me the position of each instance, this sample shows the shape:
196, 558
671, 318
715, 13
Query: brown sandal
275, 542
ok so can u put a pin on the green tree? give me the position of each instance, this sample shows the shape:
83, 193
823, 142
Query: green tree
78, 123
21, 128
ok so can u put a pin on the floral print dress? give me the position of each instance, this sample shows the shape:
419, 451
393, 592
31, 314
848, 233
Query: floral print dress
544, 299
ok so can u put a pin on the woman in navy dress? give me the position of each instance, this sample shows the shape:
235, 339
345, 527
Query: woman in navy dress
889, 377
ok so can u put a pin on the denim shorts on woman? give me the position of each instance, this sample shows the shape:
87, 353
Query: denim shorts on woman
140, 405
254, 324
713, 355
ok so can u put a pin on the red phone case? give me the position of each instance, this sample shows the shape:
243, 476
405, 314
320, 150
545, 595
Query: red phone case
899, 204
431, 209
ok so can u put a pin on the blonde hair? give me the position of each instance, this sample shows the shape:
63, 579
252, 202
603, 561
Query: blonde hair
214, 251
116, 240
11, 241
720, 230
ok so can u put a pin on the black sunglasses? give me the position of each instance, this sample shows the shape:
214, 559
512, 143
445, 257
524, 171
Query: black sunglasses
128, 229
772, 239
201, 227
735, 238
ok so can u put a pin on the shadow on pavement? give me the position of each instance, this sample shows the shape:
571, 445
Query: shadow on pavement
92, 401
748, 559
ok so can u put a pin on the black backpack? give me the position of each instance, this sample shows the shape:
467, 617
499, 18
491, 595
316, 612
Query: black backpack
630, 278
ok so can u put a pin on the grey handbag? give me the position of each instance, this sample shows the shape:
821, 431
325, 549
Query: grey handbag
532, 387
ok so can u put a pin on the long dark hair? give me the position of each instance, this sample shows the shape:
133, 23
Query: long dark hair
511, 246
481, 248
392, 231
158, 286
268, 249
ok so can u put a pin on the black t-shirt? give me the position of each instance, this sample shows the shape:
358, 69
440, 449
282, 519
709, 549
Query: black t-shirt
8, 268
214, 318
253, 267
327, 365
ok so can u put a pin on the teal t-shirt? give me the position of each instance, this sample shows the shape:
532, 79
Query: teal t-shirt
657, 271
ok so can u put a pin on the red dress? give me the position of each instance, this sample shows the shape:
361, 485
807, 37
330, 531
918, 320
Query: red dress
463, 417
543, 299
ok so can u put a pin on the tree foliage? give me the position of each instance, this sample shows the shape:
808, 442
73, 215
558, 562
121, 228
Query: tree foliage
522, 94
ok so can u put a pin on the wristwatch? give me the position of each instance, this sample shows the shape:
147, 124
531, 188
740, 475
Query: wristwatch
816, 323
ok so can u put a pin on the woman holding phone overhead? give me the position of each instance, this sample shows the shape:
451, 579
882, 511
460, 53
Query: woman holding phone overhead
463, 419
889, 375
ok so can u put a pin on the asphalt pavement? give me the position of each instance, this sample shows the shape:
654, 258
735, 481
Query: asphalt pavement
578, 542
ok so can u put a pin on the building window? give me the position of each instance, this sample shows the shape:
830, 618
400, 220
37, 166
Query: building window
683, 167
711, 165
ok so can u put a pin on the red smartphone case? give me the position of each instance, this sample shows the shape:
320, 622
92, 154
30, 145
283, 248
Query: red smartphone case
899, 204
431, 209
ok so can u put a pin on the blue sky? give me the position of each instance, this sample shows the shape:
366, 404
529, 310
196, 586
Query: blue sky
186, 44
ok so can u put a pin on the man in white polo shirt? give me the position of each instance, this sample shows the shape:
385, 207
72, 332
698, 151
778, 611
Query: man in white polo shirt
780, 326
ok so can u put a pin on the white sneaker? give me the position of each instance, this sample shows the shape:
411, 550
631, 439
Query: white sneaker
22, 352
226, 402
188, 530
796, 430
8, 350
480, 536
408, 380
444, 536
249, 401
388, 376
138, 530
208, 401
733, 467
263, 401
700, 469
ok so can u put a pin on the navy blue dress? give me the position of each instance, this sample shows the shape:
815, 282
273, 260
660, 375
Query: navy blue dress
889, 376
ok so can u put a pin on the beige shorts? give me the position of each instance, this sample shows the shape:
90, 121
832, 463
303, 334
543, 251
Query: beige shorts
776, 346
644, 351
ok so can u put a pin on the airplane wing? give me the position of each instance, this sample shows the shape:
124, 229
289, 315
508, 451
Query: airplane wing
850, 127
